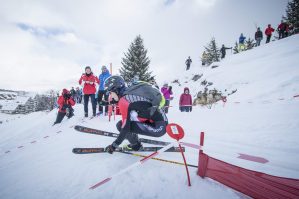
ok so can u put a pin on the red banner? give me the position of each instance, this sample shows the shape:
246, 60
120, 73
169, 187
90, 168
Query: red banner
252, 183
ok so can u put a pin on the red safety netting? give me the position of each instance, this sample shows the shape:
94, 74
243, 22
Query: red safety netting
251, 183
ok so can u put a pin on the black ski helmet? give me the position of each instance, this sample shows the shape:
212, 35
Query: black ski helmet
114, 83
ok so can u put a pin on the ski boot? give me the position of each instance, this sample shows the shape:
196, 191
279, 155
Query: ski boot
133, 147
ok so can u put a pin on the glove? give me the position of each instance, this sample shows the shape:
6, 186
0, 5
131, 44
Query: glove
86, 82
110, 149
91, 83
103, 103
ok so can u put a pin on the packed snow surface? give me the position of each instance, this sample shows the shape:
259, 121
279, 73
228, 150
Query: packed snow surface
260, 119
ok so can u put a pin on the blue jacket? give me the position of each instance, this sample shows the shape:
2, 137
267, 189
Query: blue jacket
242, 39
102, 79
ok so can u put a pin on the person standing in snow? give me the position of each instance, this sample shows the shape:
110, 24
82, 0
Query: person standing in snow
268, 33
78, 95
186, 101
258, 36
65, 102
188, 63
140, 107
223, 51
282, 30
242, 42
153, 82
167, 92
89, 81
102, 93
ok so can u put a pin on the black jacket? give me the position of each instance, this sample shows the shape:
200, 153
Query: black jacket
223, 49
258, 34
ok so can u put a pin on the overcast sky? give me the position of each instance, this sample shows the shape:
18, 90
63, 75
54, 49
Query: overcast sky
46, 44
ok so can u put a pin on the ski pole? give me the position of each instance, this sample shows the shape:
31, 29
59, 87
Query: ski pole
159, 159
132, 166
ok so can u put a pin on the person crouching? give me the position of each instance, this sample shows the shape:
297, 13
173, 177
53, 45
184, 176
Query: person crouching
65, 102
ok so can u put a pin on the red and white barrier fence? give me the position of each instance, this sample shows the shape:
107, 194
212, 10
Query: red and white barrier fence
252, 183
136, 164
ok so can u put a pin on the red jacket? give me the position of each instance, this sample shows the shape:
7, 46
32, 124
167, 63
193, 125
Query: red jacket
185, 99
283, 27
269, 31
61, 102
89, 83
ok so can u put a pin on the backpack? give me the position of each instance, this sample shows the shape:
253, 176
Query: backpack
146, 90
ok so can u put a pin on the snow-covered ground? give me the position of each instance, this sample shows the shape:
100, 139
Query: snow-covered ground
266, 127
10, 100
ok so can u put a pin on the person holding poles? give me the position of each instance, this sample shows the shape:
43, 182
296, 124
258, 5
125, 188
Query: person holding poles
102, 93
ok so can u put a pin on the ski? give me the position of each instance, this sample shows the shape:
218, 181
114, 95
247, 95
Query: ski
120, 149
110, 134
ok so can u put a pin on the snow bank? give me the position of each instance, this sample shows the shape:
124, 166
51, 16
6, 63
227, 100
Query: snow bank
47, 168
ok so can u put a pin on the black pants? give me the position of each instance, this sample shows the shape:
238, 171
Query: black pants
60, 117
282, 34
166, 106
268, 38
188, 66
186, 108
93, 103
102, 94
156, 129
222, 55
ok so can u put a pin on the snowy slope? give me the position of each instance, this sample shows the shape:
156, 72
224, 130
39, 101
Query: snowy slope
10, 100
46, 168
261, 118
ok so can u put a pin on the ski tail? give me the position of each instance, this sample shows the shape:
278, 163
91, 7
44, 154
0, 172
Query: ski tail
120, 149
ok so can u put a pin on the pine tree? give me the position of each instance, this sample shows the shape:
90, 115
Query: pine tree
236, 48
136, 62
213, 52
249, 43
292, 12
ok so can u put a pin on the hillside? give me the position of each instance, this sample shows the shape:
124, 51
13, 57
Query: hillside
37, 162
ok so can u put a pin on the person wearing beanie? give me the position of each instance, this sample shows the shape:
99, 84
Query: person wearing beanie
89, 83
102, 93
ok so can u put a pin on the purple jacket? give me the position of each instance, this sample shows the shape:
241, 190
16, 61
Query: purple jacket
166, 92
185, 99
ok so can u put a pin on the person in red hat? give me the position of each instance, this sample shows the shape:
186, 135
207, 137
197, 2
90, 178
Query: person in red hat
65, 102
89, 83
